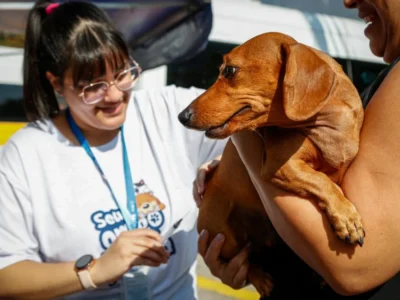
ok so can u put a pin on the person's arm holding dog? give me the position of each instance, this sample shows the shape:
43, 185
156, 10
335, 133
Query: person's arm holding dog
370, 183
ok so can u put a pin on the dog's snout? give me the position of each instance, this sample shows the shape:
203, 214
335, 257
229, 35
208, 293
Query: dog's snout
185, 116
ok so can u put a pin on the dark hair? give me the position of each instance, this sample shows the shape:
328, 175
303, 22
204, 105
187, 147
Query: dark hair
76, 36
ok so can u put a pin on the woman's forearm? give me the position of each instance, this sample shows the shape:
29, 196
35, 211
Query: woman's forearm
305, 230
303, 227
347, 269
32, 280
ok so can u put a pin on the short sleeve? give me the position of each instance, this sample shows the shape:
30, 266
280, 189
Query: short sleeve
17, 240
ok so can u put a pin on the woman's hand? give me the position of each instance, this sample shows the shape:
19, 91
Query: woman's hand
198, 183
131, 248
232, 273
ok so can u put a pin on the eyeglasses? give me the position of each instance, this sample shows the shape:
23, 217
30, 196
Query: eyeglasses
125, 81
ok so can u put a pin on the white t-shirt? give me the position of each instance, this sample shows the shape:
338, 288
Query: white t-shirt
55, 207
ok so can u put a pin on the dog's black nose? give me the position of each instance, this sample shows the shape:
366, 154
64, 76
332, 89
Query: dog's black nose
185, 116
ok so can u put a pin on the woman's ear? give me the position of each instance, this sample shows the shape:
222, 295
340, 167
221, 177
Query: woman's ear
54, 81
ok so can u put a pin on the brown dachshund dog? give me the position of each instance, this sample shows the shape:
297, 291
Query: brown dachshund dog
309, 115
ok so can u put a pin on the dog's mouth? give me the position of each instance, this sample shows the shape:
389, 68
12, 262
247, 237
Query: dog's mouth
217, 131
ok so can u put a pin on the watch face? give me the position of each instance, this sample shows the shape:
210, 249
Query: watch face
83, 261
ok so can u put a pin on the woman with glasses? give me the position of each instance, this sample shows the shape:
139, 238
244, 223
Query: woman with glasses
95, 200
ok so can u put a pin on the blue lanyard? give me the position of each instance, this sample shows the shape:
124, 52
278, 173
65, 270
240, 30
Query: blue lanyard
132, 219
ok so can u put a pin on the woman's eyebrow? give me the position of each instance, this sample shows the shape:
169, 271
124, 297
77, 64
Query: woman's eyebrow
120, 68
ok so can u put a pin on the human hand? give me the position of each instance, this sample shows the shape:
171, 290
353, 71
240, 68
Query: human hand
232, 273
198, 183
131, 248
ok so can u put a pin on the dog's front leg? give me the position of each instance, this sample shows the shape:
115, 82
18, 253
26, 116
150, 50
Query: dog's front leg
298, 177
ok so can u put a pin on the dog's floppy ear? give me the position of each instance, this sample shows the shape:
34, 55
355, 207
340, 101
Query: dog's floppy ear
307, 84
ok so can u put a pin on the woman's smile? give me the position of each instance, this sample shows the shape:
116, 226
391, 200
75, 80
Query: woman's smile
112, 109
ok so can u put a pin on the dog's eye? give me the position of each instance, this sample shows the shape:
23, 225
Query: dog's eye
229, 71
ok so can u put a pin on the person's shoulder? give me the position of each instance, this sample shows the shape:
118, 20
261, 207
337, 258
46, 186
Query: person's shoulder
387, 96
27, 147
32, 134
380, 139
32, 131
380, 136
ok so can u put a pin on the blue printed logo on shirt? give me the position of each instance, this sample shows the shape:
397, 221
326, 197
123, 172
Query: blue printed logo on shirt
111, 223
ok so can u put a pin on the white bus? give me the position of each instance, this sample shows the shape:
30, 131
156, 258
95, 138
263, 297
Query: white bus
237, 21
339, 33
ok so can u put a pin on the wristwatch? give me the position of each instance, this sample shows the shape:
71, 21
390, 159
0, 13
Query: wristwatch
82, 267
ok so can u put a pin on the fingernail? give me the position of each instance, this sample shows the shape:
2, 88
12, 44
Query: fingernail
220, 237
199, 190
202, 233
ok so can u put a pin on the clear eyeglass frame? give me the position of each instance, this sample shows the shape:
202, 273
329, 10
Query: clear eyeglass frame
125, 81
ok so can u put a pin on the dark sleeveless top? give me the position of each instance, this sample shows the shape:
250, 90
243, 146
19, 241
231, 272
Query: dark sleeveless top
390, 290
367, 94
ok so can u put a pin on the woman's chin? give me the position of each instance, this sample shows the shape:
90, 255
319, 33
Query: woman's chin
376, 47
377, 40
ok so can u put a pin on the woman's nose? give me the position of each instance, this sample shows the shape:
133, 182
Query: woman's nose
113, 94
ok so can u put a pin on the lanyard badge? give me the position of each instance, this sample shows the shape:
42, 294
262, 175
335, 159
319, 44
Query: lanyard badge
130, 213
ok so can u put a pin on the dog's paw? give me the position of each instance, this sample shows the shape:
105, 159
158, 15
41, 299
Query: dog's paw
346, 223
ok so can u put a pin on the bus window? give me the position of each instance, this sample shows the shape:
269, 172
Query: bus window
201, 71
11, 108
364, 73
